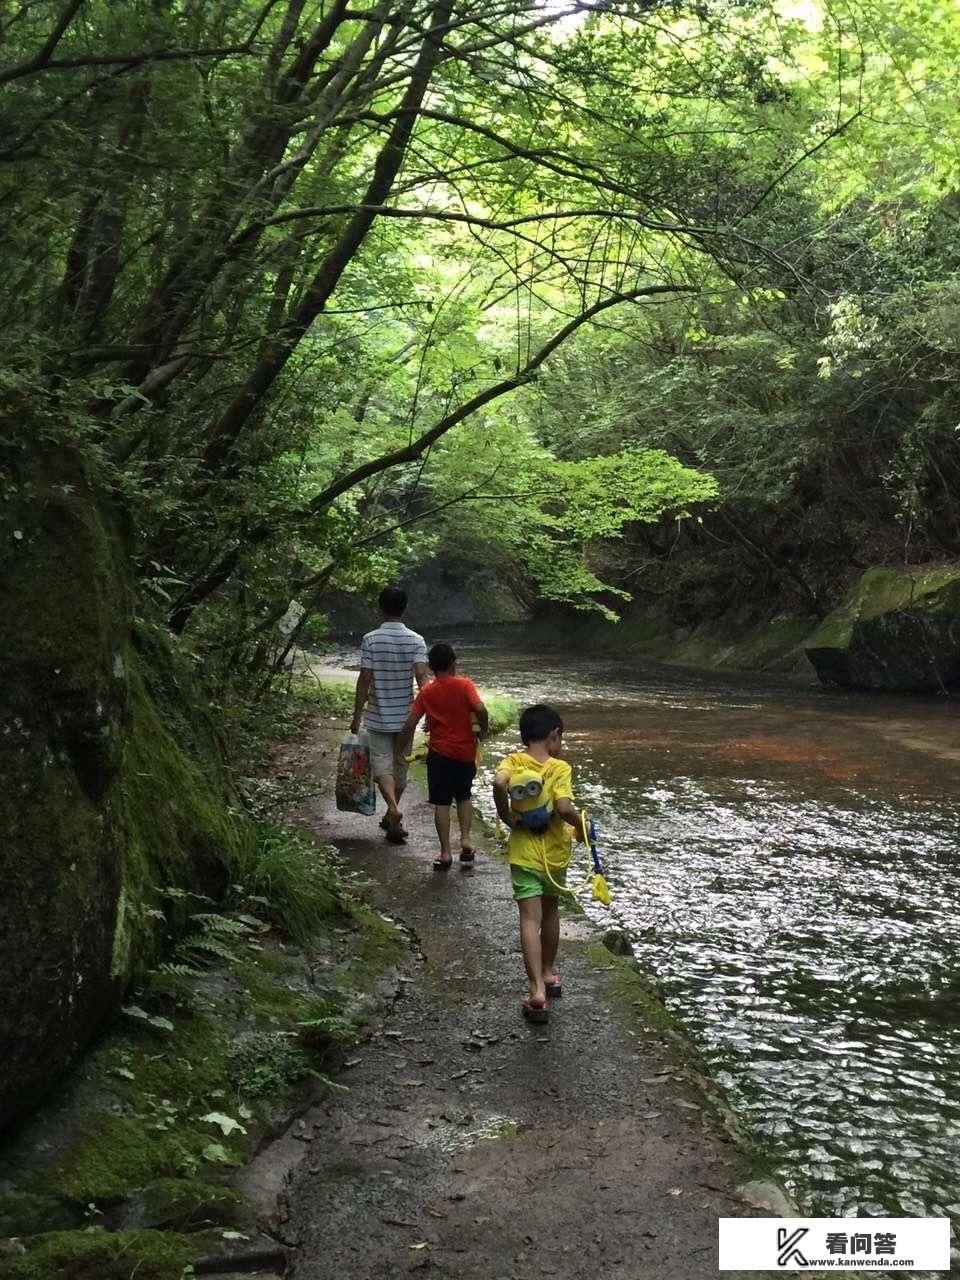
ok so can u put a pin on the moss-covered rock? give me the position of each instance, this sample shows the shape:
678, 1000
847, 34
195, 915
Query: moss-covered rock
102, 1255
898, 629
111, 783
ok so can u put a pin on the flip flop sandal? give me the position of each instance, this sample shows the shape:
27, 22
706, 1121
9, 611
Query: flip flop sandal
554, 989
535, 1010
396, 835
440, 865
468, 855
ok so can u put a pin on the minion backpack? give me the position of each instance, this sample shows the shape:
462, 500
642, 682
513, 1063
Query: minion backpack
532, 808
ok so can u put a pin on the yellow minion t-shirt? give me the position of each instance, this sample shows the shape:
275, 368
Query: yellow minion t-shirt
529, 848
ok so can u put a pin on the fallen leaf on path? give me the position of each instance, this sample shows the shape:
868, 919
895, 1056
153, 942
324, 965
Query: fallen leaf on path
412, 1084
352, 1062
422, 1244
398, 1222
676, 1191
651, 1115
691, 1106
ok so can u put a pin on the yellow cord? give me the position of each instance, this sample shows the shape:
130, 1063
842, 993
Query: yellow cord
600, 891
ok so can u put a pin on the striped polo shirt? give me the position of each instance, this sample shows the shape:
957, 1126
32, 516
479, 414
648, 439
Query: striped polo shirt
390, 653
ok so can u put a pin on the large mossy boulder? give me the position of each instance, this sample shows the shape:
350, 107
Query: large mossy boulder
111, 782
898, 629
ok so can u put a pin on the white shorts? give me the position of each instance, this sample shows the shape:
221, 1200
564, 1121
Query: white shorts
383, 758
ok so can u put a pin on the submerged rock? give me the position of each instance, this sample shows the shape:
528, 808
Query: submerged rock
898, 629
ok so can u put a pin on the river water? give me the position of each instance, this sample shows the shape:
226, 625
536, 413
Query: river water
786, 862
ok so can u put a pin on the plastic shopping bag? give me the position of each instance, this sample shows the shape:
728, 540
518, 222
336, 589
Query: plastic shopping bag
355, 792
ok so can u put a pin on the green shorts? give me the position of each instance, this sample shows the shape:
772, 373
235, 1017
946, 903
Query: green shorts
534, 884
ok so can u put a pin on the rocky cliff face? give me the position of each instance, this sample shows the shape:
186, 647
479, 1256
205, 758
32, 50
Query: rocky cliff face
111, 785
898, 629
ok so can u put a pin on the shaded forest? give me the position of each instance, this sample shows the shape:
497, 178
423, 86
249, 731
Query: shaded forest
310, 291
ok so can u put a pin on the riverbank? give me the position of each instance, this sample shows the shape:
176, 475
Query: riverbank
734, 641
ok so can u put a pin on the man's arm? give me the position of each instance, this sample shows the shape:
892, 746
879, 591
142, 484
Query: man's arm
570, 813
364, 683
501, 798
420, 674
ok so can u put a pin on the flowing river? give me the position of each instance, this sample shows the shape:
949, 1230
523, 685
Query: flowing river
786, 862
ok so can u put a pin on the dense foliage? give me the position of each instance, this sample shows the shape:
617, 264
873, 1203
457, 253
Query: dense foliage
321, 290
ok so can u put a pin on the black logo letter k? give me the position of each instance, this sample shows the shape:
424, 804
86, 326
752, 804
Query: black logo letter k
787, 1242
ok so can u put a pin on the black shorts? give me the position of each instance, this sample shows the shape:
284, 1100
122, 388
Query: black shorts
449, 780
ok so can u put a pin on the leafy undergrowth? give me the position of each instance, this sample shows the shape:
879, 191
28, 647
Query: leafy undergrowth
234, 1032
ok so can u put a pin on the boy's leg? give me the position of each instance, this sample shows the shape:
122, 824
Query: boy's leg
465, 819
441, 818
549, 937
531, 915
440, 795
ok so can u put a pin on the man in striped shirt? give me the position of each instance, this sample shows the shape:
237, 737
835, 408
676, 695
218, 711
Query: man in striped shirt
391, 658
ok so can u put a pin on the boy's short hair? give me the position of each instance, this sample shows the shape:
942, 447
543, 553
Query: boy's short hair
441, 657
393, 601
538, 722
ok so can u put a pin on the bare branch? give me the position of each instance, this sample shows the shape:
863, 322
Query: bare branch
30, 68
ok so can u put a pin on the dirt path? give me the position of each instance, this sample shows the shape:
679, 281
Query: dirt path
475, 1145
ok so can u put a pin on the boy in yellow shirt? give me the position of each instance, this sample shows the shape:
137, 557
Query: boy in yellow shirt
533, 791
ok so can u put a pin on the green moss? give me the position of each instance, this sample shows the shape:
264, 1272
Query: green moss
271, 1062
272, 997
175, 828
182, 1204
887, 591
113, 1155
636, 996
378, 947
109, 1155
103, 1255
155, 1131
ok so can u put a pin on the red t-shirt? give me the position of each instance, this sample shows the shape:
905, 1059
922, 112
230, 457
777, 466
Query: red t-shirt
447, 702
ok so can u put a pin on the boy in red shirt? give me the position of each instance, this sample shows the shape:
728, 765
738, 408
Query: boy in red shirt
452, 707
